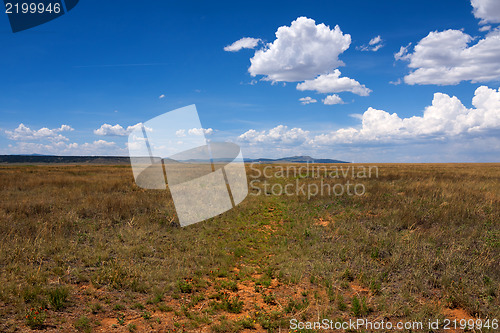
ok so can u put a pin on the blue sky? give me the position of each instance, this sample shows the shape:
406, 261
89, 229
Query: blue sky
104, 63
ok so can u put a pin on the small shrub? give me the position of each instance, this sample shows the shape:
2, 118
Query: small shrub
246, 323
35, 317
121, 319
234, 305
95, 308
270, 299
185, 287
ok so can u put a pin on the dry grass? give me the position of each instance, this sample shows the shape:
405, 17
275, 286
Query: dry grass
100, 254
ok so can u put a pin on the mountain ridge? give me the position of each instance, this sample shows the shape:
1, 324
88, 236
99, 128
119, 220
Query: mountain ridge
122, 160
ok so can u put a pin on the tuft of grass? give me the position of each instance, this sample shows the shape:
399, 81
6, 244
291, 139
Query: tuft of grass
341, 305
58, 297
138, 306
95, 308
119, 307
359, 307
83, 324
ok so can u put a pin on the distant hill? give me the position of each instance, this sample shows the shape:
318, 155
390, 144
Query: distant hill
108, 160
294, 159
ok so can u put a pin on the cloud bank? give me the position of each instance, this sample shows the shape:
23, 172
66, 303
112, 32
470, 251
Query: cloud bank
445, 118
24, 133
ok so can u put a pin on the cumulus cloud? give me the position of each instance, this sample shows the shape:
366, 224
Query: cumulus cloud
445, 58
243, 43
446, 117
374, 45
278, 135
333, 83
200, 131
307, 100
116, 130
332, 99
486, 10
24, 133
300, 52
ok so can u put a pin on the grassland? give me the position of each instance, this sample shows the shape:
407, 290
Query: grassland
82, 248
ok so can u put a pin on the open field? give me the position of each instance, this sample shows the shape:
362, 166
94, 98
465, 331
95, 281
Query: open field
82, 248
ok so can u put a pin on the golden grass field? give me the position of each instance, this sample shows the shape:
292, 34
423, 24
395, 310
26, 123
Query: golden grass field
83, 249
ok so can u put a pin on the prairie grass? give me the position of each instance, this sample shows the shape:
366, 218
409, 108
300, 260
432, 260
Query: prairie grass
422, 243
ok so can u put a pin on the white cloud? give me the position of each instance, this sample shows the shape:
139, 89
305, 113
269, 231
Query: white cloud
243, 43
375, 40
278, 135
486, 10
116, 130
396, 83
99, 147
180, 133
446, 58
161, 96
374, 45
485, 28
96, 145
200, 131
446, 117
332, 99
402, 54
300, 52
333, 83
307, 100
24, 133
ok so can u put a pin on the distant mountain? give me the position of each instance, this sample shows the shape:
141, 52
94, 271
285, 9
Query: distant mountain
294, 159
47, 159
